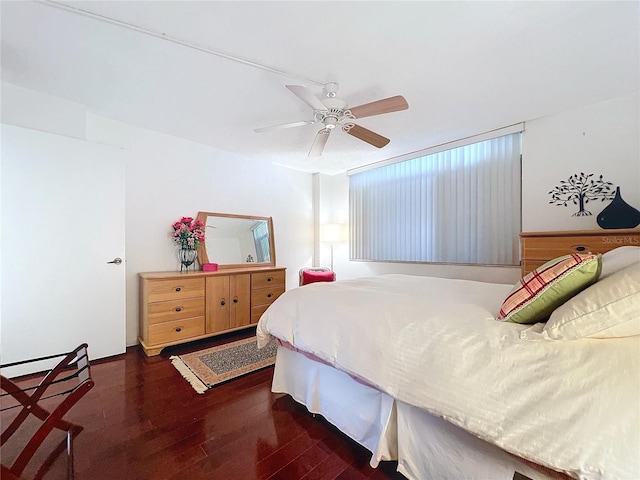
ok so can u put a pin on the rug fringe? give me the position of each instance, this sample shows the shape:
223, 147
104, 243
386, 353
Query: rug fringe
188, 375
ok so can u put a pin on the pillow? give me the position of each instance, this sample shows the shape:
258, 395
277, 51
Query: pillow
540, 292
610, 308
619, 258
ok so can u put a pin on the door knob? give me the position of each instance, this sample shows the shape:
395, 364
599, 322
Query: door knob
116, 260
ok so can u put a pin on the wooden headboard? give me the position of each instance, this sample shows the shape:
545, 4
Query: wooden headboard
537, 248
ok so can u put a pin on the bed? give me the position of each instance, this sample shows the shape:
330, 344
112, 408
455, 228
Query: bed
418, 370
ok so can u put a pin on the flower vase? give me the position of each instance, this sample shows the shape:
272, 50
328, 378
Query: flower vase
187, 258
619, 214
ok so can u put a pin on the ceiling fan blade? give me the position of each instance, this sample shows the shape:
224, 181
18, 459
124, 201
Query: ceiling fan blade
320, 141
307, 96
387, 105
366, 135
278, 127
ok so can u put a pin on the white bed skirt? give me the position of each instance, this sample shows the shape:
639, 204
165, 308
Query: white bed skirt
430, 447
424, 445
361, 412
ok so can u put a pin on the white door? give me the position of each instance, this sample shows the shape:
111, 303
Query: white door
62, 222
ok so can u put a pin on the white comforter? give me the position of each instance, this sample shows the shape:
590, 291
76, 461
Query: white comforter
433, 343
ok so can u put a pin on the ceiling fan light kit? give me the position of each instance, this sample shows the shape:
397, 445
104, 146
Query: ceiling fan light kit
332, 112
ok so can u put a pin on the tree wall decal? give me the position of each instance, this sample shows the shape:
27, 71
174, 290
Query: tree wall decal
580, 189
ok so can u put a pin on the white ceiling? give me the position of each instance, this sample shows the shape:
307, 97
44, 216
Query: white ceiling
464, 67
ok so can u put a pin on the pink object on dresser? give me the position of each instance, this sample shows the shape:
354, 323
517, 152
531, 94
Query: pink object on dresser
210, 267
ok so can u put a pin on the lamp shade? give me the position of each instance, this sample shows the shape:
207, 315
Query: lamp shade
333, 232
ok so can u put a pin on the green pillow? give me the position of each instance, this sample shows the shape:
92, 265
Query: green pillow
540, 292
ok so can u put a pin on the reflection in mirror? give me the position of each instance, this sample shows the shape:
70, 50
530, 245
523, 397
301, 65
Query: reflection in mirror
237, 240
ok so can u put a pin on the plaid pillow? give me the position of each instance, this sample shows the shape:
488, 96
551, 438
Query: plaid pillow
540, 292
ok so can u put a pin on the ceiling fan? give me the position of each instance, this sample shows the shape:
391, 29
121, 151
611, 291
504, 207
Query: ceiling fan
332, 112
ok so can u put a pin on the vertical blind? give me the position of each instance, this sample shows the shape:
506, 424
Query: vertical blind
454, 206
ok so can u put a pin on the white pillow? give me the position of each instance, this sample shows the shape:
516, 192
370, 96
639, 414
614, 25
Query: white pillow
617, 259
609, 308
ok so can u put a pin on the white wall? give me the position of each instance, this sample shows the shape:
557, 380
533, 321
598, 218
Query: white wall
39, 111
601, 138
167, 178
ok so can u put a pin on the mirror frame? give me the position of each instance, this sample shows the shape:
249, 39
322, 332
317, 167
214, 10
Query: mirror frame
202, 251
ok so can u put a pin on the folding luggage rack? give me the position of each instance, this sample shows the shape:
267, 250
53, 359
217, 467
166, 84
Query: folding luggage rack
72, 376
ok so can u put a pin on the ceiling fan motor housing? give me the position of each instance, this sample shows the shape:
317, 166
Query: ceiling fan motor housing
334, 104
334, 112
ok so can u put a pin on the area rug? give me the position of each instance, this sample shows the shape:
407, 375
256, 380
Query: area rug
209, 367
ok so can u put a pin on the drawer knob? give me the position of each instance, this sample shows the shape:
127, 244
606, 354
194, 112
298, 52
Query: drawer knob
269, 295
581, 248
178, 309
235, 299
178, 329
178, 289
222, 302
269, 279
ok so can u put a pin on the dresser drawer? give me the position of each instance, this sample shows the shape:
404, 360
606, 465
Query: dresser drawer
266, 296
175, 309
539, 247
267, 279
175, 289
530, 265
547, 248
176, 330
256, 312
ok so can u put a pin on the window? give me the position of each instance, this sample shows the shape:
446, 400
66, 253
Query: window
454, 206
261, 240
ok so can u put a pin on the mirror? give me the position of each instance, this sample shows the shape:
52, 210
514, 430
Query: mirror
234, 241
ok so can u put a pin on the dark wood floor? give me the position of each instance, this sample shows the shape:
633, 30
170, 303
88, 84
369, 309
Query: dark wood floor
142, 420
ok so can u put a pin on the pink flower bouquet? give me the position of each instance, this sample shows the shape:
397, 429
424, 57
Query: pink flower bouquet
188, 233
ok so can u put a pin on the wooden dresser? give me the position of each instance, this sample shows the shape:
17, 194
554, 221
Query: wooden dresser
536, 248
180, 307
